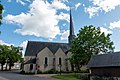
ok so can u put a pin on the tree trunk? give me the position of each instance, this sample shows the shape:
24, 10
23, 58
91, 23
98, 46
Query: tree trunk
6, 67
1, 67
72, 67
10, 66
77, 68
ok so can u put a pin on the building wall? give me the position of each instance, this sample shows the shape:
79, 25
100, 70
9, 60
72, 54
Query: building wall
50, 56
69, 54
60, 54
27, 66
41, 59
106, 71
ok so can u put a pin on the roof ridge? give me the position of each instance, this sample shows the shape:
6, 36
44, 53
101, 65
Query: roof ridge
47, 42
118, 52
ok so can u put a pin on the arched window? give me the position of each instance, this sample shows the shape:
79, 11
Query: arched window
60, 62
31, 66
53, 61
46, 60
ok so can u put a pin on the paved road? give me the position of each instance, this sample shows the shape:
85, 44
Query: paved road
14, 75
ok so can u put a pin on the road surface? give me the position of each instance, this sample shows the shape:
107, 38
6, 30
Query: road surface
14, 75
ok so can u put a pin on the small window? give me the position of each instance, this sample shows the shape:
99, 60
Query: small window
60, 61
31, 66
46, 60
53, 61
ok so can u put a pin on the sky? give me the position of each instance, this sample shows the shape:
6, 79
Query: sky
48, 20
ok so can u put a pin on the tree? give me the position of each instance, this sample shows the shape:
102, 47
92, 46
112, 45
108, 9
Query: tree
3, 55
1, 10
15, 55
89, 41
10, 55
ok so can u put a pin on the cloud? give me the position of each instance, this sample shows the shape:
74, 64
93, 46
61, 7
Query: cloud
64, 35
4, 43
102, 5
24, 44
21, 2
41, 20
59, 5
115, 24
92, 11
83, 5
106, 31
65, 0
8, 0
63, 16
77, 5
28, 0
64, 24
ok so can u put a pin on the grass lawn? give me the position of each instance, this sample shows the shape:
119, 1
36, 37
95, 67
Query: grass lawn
70, 76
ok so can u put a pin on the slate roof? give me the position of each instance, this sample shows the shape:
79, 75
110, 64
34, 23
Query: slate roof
31, 61
34, 47
105, 60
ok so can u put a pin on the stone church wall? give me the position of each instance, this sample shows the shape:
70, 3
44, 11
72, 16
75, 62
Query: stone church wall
41, 60
52, 61
69, 54
60, 54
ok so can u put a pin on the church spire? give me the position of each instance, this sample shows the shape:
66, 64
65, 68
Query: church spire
71, 34
71, 25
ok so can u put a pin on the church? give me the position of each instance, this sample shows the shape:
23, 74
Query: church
44, 56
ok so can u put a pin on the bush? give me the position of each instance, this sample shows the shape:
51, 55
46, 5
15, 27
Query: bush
83, 77
84, 71
49, 71
39, 72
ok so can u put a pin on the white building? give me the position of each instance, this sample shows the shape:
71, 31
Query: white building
45, 56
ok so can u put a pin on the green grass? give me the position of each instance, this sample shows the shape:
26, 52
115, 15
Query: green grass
70, 76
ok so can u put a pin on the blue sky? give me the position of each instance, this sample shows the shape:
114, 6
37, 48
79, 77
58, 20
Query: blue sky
48, 20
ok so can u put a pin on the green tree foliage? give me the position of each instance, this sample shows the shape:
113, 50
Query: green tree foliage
15, 54
89, 41
1, 10
2, 55
10, 55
